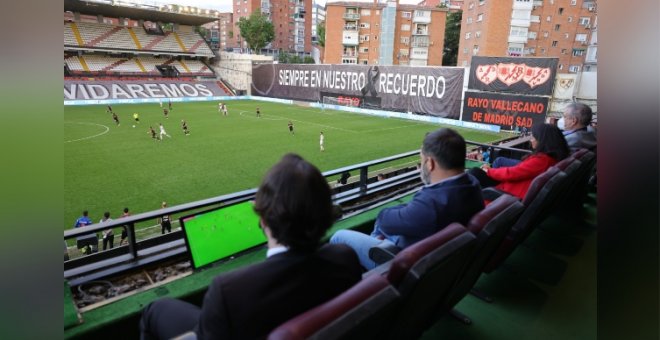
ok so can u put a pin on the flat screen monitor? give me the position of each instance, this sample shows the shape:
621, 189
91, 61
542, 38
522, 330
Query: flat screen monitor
217, 234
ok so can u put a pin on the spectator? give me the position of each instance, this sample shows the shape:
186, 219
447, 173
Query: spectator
108, 235
82, 221
124, 230
449, 195
549, 148
575, 123
164, 221
344, 178
380, 177
295, 209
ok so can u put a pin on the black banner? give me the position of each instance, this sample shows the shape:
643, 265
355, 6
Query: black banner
513, 75
507, 111
431, 90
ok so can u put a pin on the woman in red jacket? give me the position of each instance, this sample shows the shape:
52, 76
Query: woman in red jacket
549, 147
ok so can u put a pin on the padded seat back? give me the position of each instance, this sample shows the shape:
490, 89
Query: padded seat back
490, 226
423, 274
537, 208
358, 313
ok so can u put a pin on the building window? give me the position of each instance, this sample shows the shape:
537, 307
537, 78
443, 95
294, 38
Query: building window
349, 61
467, 35
405, 40
518, 31
554, 43
364, 50
375, 37
477, 34
561, 66
542, 50
405, 27
578, 52
574, 68
464, 50
581, 37
532, 35
365, 12
561, 10
403, 52
469, 20
549, 18
475, 49
480, 17
570, 19
365, 62
406, 15
557, 26
545, 34
566, 35
364, 25
563, 51
584, 21
471, 6
364, 38
573, 2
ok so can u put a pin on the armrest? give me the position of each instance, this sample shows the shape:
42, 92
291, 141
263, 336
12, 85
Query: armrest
190, 335
383, 252
491, 194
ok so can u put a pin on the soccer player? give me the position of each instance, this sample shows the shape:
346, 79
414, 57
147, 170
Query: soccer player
220, 106
258, 113
153, 133
321, 140
160, 102
115, 118
291, 128
184, 126
109, 108
136, 117
224, 109
166, 113
169, 105
162, 132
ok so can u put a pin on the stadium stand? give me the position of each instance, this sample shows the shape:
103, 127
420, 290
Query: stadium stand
142, 65
110, 37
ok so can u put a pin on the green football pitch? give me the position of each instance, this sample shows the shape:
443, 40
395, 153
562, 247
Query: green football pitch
109, 167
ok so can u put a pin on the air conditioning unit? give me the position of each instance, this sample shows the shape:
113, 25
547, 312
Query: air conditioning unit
592, 8
587, 26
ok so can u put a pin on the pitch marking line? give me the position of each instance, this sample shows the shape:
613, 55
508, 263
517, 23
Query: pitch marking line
90, 137
299, 121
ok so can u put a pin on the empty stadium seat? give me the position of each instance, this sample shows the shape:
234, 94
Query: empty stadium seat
423, 274
539, 200
358, 313
490, 226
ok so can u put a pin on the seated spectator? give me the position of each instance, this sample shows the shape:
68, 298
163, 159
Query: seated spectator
449, 195
295, 210
575, 123
549, 148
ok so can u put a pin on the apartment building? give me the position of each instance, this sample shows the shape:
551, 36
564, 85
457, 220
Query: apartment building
531, 28
291, 20
318, 16
384, 33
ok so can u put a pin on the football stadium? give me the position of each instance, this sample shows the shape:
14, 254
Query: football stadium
179, 181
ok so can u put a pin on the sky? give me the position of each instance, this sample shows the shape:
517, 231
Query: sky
225, 5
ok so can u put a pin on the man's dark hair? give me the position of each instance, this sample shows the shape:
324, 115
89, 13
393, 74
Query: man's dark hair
580, 111
85, 213
550, 141
446, 147
294, 201
125, 210
106, 214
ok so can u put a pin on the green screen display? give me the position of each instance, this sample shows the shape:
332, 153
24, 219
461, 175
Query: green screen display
217, 234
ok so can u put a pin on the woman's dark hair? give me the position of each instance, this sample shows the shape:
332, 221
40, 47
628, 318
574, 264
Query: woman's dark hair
294, 201
550, 141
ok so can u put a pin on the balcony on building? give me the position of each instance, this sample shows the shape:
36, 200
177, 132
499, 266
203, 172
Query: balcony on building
517, 39
537, 3
421, 41
524, 4
351, 27
535, 18
420, 29
423, 17
350, 52
352, 14
350, 38
419, 53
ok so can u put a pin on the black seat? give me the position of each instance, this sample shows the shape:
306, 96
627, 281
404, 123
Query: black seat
423, 274
490, 226
358, 313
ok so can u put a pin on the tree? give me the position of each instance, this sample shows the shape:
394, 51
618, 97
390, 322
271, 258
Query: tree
295, 59
452, 37
308, 60
256, 30
283, 57
320, 33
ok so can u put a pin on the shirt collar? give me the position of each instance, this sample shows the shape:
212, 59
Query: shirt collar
444, 180
276, 250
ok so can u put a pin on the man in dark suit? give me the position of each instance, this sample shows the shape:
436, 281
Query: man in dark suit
295, 208
449, 195
575, 123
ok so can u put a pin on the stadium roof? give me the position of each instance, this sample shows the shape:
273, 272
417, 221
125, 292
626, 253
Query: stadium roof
145, 12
